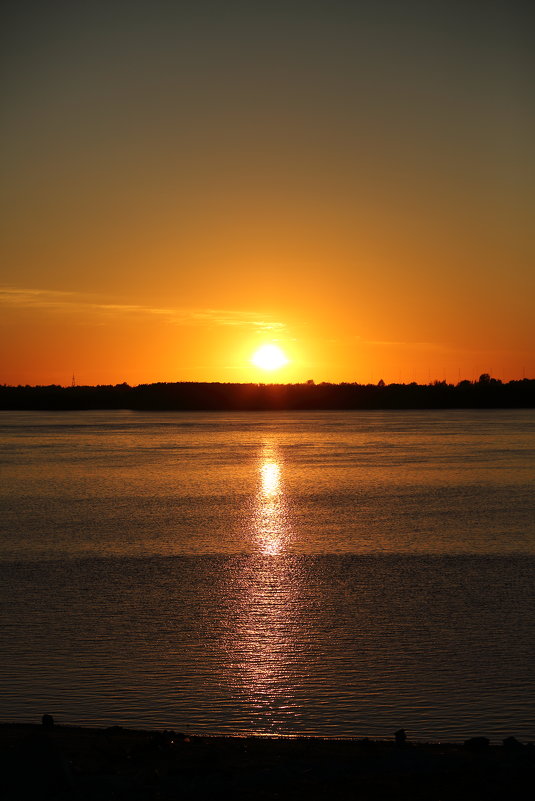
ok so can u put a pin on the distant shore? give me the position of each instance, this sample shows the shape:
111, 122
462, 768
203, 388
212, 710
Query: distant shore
486, 393
68, 762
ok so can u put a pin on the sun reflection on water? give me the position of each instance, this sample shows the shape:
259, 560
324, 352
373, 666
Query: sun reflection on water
264, 646
270, 472
270, 518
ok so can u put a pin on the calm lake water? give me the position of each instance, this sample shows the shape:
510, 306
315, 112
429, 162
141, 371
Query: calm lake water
325, 573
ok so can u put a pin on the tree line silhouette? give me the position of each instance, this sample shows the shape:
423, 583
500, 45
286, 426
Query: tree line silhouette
486, 393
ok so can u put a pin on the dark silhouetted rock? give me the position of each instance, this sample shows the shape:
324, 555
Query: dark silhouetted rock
512, 744
477, 743
401, 738
114, 730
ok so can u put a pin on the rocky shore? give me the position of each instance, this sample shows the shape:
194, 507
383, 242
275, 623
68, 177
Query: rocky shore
67, 763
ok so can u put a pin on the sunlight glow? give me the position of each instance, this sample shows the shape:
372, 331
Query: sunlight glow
269, 357
270, 472
270, 514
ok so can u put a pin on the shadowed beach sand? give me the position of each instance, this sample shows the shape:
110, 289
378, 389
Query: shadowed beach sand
66, 762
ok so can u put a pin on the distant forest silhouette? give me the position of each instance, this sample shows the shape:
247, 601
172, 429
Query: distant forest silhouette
486, 393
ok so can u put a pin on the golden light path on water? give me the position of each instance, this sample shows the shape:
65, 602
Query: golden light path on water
270, 516
268, 622
260, 576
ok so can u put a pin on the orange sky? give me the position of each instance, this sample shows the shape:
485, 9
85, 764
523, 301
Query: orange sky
185, 182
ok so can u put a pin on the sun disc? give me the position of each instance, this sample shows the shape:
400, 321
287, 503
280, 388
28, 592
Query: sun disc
269, 357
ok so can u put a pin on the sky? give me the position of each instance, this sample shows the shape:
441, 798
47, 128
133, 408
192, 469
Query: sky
185, 182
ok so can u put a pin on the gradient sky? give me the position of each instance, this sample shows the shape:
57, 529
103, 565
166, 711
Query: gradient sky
186, 181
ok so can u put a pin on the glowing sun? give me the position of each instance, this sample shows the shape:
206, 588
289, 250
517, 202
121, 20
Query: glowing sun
269, 357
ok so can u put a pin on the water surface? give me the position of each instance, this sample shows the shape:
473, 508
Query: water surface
331, 573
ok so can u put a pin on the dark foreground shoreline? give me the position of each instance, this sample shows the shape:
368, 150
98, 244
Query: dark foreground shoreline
114, 764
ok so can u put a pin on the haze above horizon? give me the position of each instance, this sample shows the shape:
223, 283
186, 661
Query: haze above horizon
188, 183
